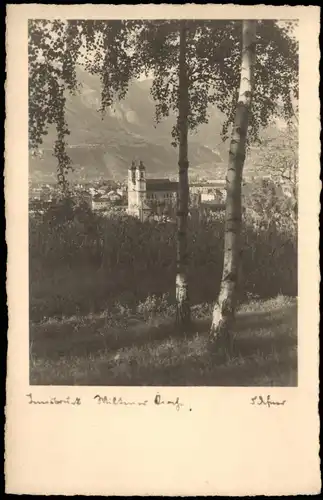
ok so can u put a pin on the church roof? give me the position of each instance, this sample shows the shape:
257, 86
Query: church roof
161, 185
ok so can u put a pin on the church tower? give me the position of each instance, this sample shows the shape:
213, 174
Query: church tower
141, 183
132, 191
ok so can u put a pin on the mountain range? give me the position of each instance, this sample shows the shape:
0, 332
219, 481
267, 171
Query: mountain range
103, 147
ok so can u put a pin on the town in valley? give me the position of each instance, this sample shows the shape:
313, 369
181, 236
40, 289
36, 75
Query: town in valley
147, 198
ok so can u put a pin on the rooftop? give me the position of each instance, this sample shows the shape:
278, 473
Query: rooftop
212, 183
161, 185
101, 198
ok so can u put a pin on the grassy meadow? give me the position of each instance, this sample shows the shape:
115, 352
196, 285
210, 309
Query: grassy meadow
102, 303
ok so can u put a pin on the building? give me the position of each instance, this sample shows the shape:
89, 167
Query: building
103, 202
100, 203
148, 195
208, 207
211, 193
122, 192
216, 187
43, 193
38, 207
114, 197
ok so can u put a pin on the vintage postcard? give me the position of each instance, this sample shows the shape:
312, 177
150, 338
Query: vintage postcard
162, 190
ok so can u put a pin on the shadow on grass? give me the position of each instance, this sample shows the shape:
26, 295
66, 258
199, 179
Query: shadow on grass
60, 340
260, 319
90, 352
64, 339
249, 368
281, 373
259, 361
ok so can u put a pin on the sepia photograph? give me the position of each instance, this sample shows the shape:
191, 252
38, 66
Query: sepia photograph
163, 202
162, 189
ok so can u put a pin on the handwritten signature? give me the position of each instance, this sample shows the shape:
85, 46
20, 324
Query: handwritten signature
105, 400
259, 400
54, 401
158, 400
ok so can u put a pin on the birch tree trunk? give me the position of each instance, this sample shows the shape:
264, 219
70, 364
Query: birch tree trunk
182, 297
224, 308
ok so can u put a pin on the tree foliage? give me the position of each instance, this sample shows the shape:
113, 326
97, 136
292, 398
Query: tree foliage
55, 49
214, 50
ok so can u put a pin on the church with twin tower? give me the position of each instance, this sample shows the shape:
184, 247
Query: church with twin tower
145, 193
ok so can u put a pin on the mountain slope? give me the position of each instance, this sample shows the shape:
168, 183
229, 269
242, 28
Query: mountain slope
105, 146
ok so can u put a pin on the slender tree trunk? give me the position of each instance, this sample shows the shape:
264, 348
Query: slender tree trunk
182, 297
224, 308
